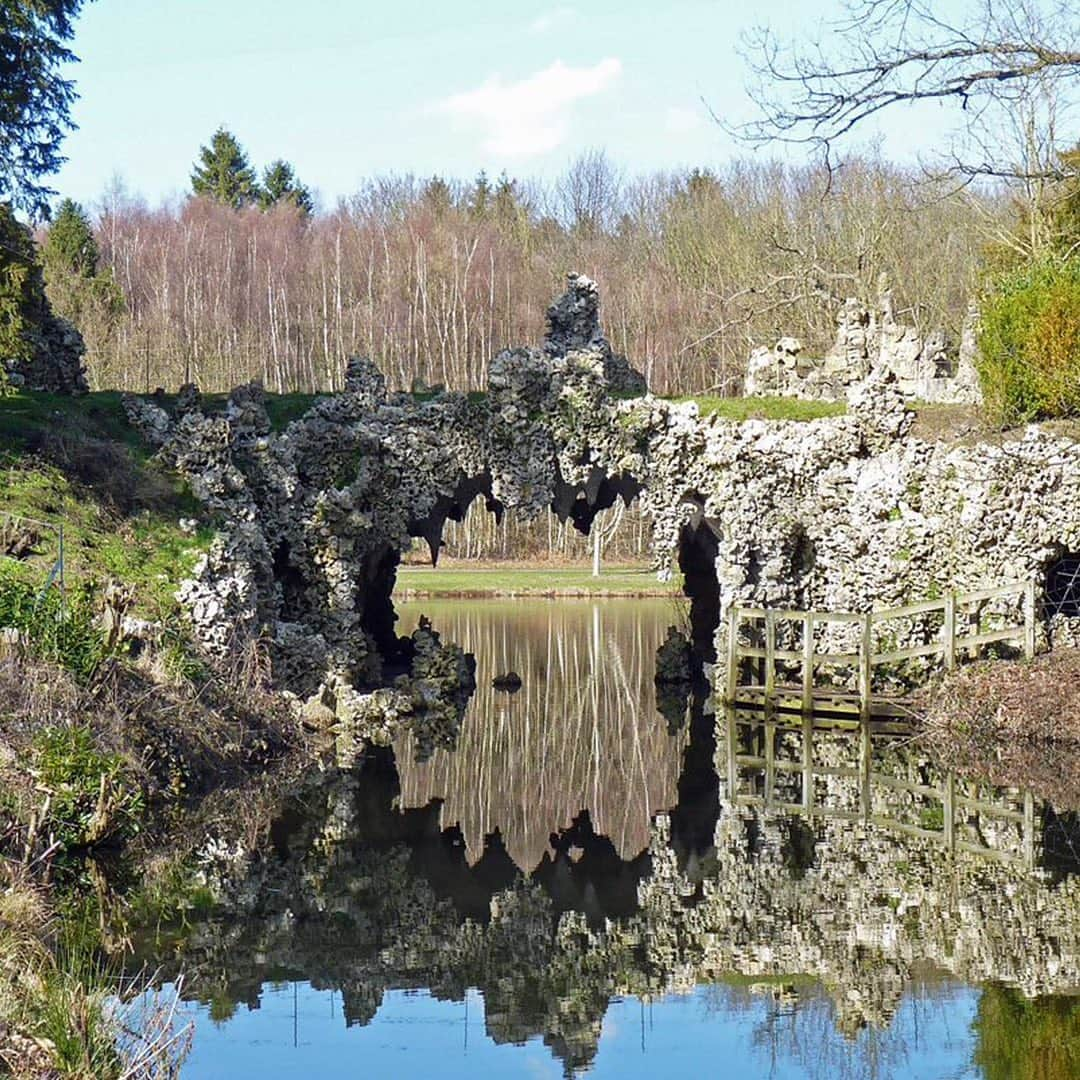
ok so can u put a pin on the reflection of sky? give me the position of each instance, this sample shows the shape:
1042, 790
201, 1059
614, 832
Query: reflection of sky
300, 1032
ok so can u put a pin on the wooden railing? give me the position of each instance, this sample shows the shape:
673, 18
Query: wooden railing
763, 779
959, 634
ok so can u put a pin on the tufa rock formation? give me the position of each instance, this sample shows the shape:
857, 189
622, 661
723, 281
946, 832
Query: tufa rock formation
870, 341
849, 513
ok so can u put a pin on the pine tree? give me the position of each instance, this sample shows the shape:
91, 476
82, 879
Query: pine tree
78, 288
223, 172
35, 101
70, 244
22, 290
480, 197
280, 184
438, 195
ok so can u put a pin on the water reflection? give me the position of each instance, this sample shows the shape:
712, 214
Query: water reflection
582, 733
847, 908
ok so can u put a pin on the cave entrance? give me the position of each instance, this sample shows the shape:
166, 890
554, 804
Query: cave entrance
1063, 586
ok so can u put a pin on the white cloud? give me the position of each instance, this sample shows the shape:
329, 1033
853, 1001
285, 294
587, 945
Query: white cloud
551, 20
680, 120
532, 116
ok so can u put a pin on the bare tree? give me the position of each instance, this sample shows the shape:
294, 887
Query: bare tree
1008, 66
587, 197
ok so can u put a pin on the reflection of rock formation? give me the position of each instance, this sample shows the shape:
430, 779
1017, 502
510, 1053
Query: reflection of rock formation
582, 733
360, 897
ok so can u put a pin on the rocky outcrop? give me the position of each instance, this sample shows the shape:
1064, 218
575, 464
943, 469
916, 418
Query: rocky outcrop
848, 513
870, 340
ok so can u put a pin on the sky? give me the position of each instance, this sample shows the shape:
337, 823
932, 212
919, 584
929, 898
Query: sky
349, 89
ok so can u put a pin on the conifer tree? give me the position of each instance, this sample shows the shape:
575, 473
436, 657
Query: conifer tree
281, 184
70, 244
78, 288
224, 173
22, 291
35, 101
480, 197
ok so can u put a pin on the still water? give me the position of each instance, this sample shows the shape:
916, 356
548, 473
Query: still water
595, 882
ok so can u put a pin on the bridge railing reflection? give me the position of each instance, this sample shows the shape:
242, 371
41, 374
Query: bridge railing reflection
854, 769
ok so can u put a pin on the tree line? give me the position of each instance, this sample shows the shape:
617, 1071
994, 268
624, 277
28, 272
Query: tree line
433, 277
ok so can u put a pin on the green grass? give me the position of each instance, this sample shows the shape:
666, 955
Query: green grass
24, 416
533, 581
146, 550
75, 462
764, 408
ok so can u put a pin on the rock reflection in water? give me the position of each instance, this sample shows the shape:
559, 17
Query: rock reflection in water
582, 733
843, 912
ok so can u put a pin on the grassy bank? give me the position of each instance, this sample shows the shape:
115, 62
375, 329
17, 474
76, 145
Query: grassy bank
530, 579
764, 408
106, 743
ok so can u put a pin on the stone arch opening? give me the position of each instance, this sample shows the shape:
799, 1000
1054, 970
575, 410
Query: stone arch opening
1063, 586
698, 547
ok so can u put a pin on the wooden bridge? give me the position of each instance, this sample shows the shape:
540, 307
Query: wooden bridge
791, 668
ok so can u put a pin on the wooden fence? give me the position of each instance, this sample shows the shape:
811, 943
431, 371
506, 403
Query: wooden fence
758, 776
845, 681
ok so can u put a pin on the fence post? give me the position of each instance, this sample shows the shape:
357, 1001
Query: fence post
866, 657
1029, 829
808, 763
733, 654
1029, 620
948, 800
865, 753
808, 663
770, 656
770, 762
950, 631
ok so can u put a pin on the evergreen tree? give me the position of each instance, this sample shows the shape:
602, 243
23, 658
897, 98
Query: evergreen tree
70, 244
22, 290
78, 289
480, 197
34, 100
438, 195
281, 184
223, 172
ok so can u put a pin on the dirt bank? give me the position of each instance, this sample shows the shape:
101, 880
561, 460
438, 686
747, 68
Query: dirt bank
1017, 724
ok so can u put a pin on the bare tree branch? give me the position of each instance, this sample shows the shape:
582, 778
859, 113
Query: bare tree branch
886, 53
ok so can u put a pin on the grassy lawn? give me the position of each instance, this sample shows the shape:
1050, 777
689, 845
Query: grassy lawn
765, 408
523, 580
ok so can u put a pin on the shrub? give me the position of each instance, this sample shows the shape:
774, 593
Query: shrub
93, 798
1030, 344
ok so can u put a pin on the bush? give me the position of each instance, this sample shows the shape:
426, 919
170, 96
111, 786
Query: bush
1030, 344
93, 799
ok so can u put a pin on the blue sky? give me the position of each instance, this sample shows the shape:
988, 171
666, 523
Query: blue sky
347, 90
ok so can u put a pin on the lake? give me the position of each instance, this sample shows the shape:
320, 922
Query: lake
597, 881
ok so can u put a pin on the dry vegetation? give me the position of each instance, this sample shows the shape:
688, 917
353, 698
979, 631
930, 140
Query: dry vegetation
1017, 724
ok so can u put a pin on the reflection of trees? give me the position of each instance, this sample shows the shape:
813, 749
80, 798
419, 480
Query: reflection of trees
850, 926
797, 1023
1021, 1038
582, 733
